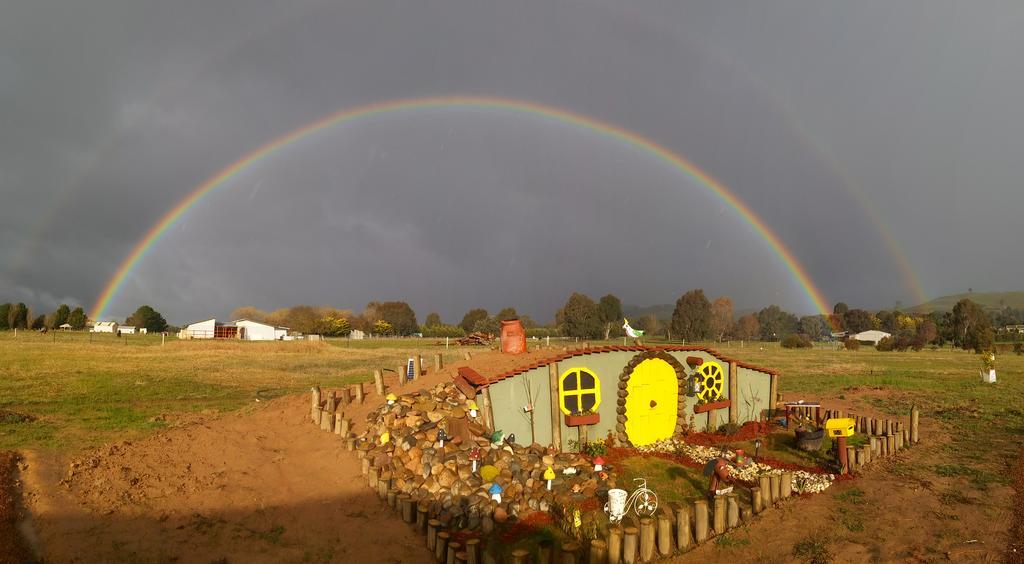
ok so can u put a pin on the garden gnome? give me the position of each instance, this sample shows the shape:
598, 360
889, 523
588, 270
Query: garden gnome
391, 399
473, 409
495, 492
719, 470
549, 475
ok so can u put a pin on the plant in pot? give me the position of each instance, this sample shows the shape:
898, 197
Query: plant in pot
585, 417
809, 436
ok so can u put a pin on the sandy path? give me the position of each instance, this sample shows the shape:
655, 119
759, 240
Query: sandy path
263, 485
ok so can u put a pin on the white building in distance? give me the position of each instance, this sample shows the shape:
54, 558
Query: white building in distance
871, 336
105, 327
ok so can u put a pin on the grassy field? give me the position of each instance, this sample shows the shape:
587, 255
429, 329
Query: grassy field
69, 391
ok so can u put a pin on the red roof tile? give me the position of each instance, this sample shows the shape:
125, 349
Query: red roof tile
478, 380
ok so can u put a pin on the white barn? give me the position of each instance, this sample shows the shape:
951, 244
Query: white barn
872, 336
127, 329
105, 327
199, 330
250, 330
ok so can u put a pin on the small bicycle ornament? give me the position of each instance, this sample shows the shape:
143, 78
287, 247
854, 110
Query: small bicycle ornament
643, 501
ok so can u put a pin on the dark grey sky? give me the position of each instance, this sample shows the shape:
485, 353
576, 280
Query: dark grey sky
828, 118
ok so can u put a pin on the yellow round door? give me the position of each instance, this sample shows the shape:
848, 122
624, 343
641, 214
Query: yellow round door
651, 402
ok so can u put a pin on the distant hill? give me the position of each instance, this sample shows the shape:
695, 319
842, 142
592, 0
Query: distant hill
992, 301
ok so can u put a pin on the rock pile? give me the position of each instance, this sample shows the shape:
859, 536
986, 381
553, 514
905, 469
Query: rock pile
425, 445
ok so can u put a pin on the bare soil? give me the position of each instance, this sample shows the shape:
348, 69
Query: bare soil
12, 547
263, 485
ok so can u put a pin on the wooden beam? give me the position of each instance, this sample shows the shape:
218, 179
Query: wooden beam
556, 413
773, 392
488, 410
734, 416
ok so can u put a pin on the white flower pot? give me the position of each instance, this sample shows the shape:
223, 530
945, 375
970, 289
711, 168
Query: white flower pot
616, 506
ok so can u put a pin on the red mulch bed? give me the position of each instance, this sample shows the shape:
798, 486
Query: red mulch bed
1015, 550
525, 527
12, 547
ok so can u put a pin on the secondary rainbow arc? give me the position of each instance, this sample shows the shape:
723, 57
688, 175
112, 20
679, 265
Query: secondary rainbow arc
702, 178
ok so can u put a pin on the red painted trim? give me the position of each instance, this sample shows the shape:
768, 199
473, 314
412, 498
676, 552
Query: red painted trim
712, 406
587, 419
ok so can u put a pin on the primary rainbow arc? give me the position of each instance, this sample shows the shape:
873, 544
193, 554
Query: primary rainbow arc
146, 243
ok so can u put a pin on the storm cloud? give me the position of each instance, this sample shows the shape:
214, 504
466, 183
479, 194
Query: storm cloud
835, 122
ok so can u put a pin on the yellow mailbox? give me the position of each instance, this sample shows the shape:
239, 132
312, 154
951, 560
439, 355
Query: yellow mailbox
842, 427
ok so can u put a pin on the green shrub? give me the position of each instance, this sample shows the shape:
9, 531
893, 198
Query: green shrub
851, 344
729, 429
796, 341
885, 345
443, 331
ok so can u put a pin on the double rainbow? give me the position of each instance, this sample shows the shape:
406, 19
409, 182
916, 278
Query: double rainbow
144, 245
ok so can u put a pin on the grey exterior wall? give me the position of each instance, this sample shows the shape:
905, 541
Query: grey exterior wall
510, 395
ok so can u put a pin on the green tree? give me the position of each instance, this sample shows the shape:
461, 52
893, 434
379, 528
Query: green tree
489, 325
721, 317
77, 319
580, 318
149, 318
399, 314
814, 326
609, 308
776, 323
39, 322
972, 328
433, 319
507, 314
335, 326
691, 320
60, 317
748, 328
18, 318
5, 316
857, 320
381, 327
840, 308
471, 318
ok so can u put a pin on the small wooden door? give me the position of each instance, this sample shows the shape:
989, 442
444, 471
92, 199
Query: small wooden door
652, 402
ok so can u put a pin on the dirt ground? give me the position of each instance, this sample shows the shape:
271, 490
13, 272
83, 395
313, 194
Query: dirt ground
263, 485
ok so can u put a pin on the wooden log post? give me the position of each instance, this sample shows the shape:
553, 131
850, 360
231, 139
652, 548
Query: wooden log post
346, 396
519, 555
556, 413
647, 539
756, 504
433, 526
786, 485
570, 552
630, 542
332, 402
408, 508
416, 367
454, 547
776, 484
378, 382
438, 361
700, 520
545, 551
461, 557
326, 420
338, 419
372, 477
915, 422
683, 534
598, 552
421, 517
851, 458
401, 375
359, 392
366, 466
732, 519
467, 356
899, 441
315, 401
890, 444
865, 451
765, 483
441, 547
392, 499
719, 515
345, 426
615, 537
746, 514
472, 549
664, 532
